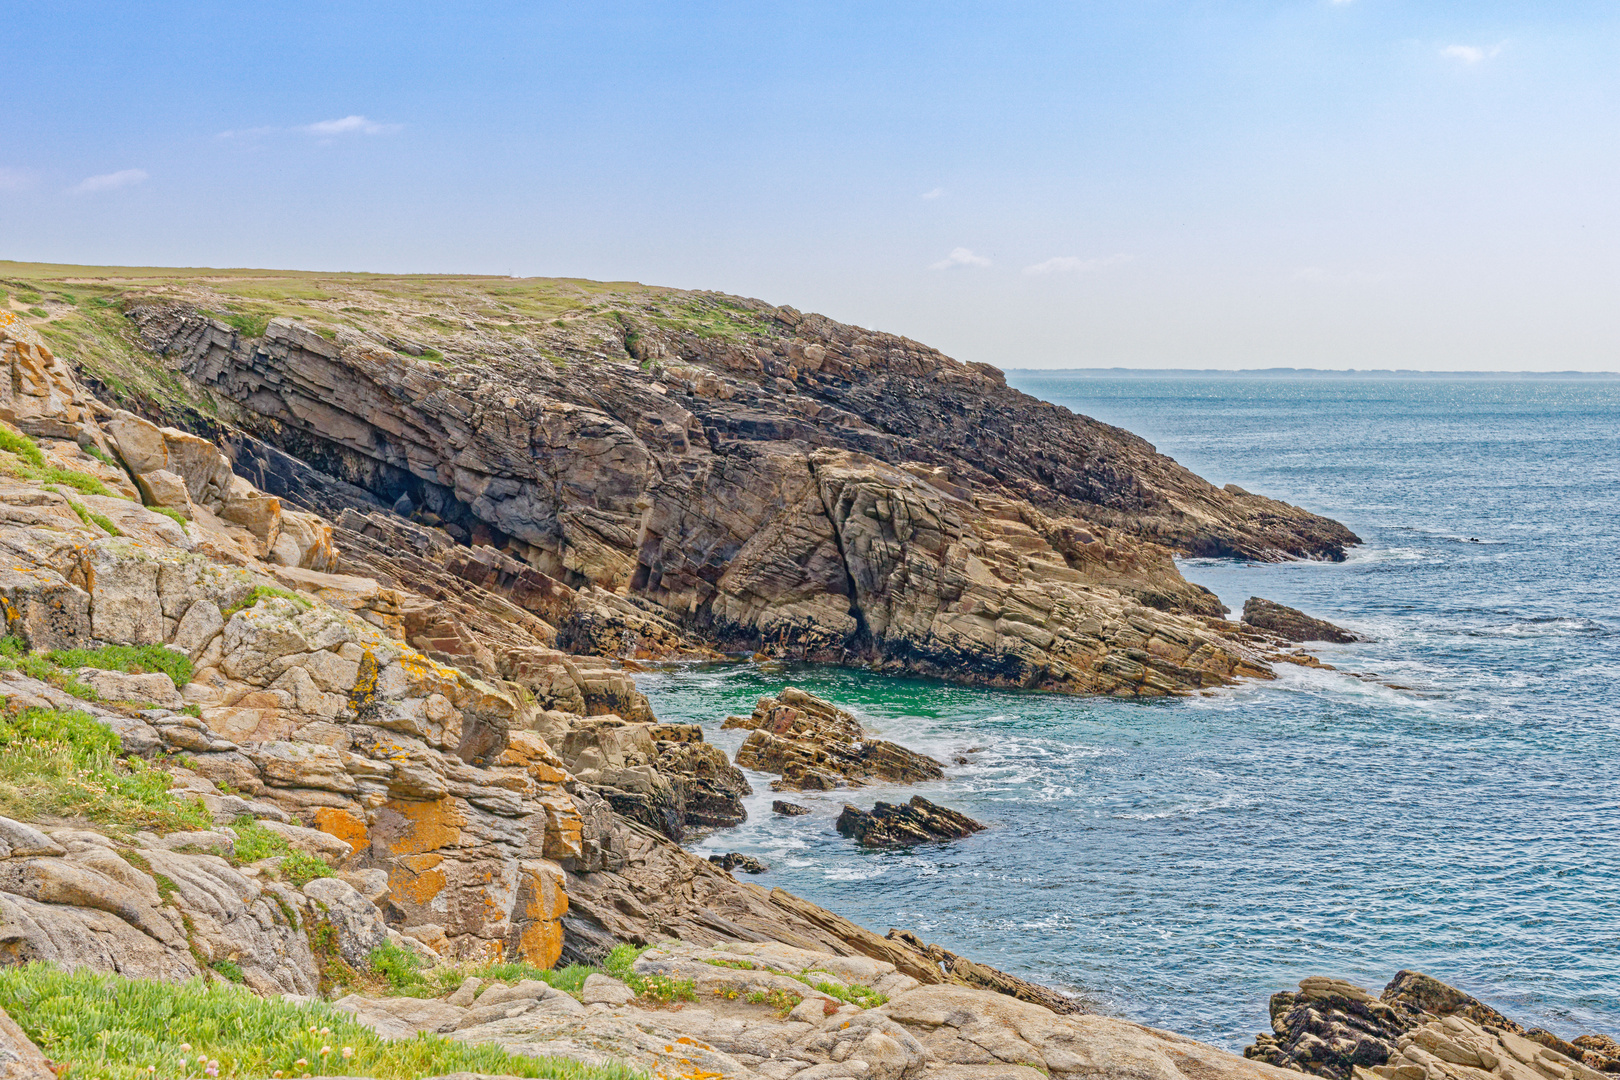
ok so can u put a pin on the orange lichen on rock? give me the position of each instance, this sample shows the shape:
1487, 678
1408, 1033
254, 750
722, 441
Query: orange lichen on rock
346, 825
417, 878
426, 826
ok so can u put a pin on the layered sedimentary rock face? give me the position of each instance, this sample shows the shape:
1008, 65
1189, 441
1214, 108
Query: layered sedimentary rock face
754, 479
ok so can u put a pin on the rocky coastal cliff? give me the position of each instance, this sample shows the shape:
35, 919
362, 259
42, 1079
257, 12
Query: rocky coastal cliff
319, 641
686, 472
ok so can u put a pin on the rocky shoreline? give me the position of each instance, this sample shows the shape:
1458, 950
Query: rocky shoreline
348, 656
1418, 1028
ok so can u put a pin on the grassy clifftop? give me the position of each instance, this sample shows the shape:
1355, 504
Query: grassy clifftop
443, 318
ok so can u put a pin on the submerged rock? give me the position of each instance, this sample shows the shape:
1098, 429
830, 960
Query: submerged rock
788, 809
917, 822
815, 745
1291, 624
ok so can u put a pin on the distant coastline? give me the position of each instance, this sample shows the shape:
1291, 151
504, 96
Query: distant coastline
1310, 373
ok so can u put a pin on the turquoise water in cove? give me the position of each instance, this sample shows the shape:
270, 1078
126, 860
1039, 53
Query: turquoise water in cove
1456, 811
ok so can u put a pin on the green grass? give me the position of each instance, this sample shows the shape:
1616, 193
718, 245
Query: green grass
229, 970
83, 483
14, 656
782, 1001
399, 973
854, 994
263, 592
130, 659
179, 518
33, 466
16, 442
106, 1027
248, 324
102, 456
301, 868
64, 763
255, 842
620, 964
90, 517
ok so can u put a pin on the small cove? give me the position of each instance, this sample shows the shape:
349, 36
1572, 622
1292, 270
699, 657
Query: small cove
1176, 862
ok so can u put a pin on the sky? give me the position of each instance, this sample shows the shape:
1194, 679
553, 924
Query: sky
1321, 183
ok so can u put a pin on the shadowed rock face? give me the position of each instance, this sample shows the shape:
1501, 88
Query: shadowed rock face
806, 488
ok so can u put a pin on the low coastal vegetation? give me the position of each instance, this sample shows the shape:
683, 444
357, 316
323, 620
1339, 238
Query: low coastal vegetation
63, 763
59, 667
396, 972
105, 1027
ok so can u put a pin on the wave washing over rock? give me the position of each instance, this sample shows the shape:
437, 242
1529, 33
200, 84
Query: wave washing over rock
352, 674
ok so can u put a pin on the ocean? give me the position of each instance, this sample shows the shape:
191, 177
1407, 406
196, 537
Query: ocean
1446, 801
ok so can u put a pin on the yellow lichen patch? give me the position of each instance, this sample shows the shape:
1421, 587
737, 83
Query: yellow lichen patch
363, 695
417, 878
429, 825
541, 943
343, 824
545, 895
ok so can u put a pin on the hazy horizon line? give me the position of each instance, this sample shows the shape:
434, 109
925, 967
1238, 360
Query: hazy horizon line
1298, 372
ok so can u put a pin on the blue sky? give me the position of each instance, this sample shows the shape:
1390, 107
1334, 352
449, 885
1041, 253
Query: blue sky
1364, 183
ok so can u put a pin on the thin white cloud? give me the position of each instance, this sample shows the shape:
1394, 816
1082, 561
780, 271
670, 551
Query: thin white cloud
1069, 264
933, 194
960, 257
349, 125
15, 179
1470, 54
111, 181
325, 130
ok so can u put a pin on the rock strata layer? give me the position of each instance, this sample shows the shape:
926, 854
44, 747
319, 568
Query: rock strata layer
1291, 624
814, 745
891, 826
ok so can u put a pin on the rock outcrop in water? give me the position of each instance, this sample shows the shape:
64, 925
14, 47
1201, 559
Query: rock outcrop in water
892, 826
1292, 624
680, 473
815, 745
1417, 1029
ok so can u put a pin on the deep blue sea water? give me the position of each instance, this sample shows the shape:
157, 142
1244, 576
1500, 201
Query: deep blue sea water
1177, 862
